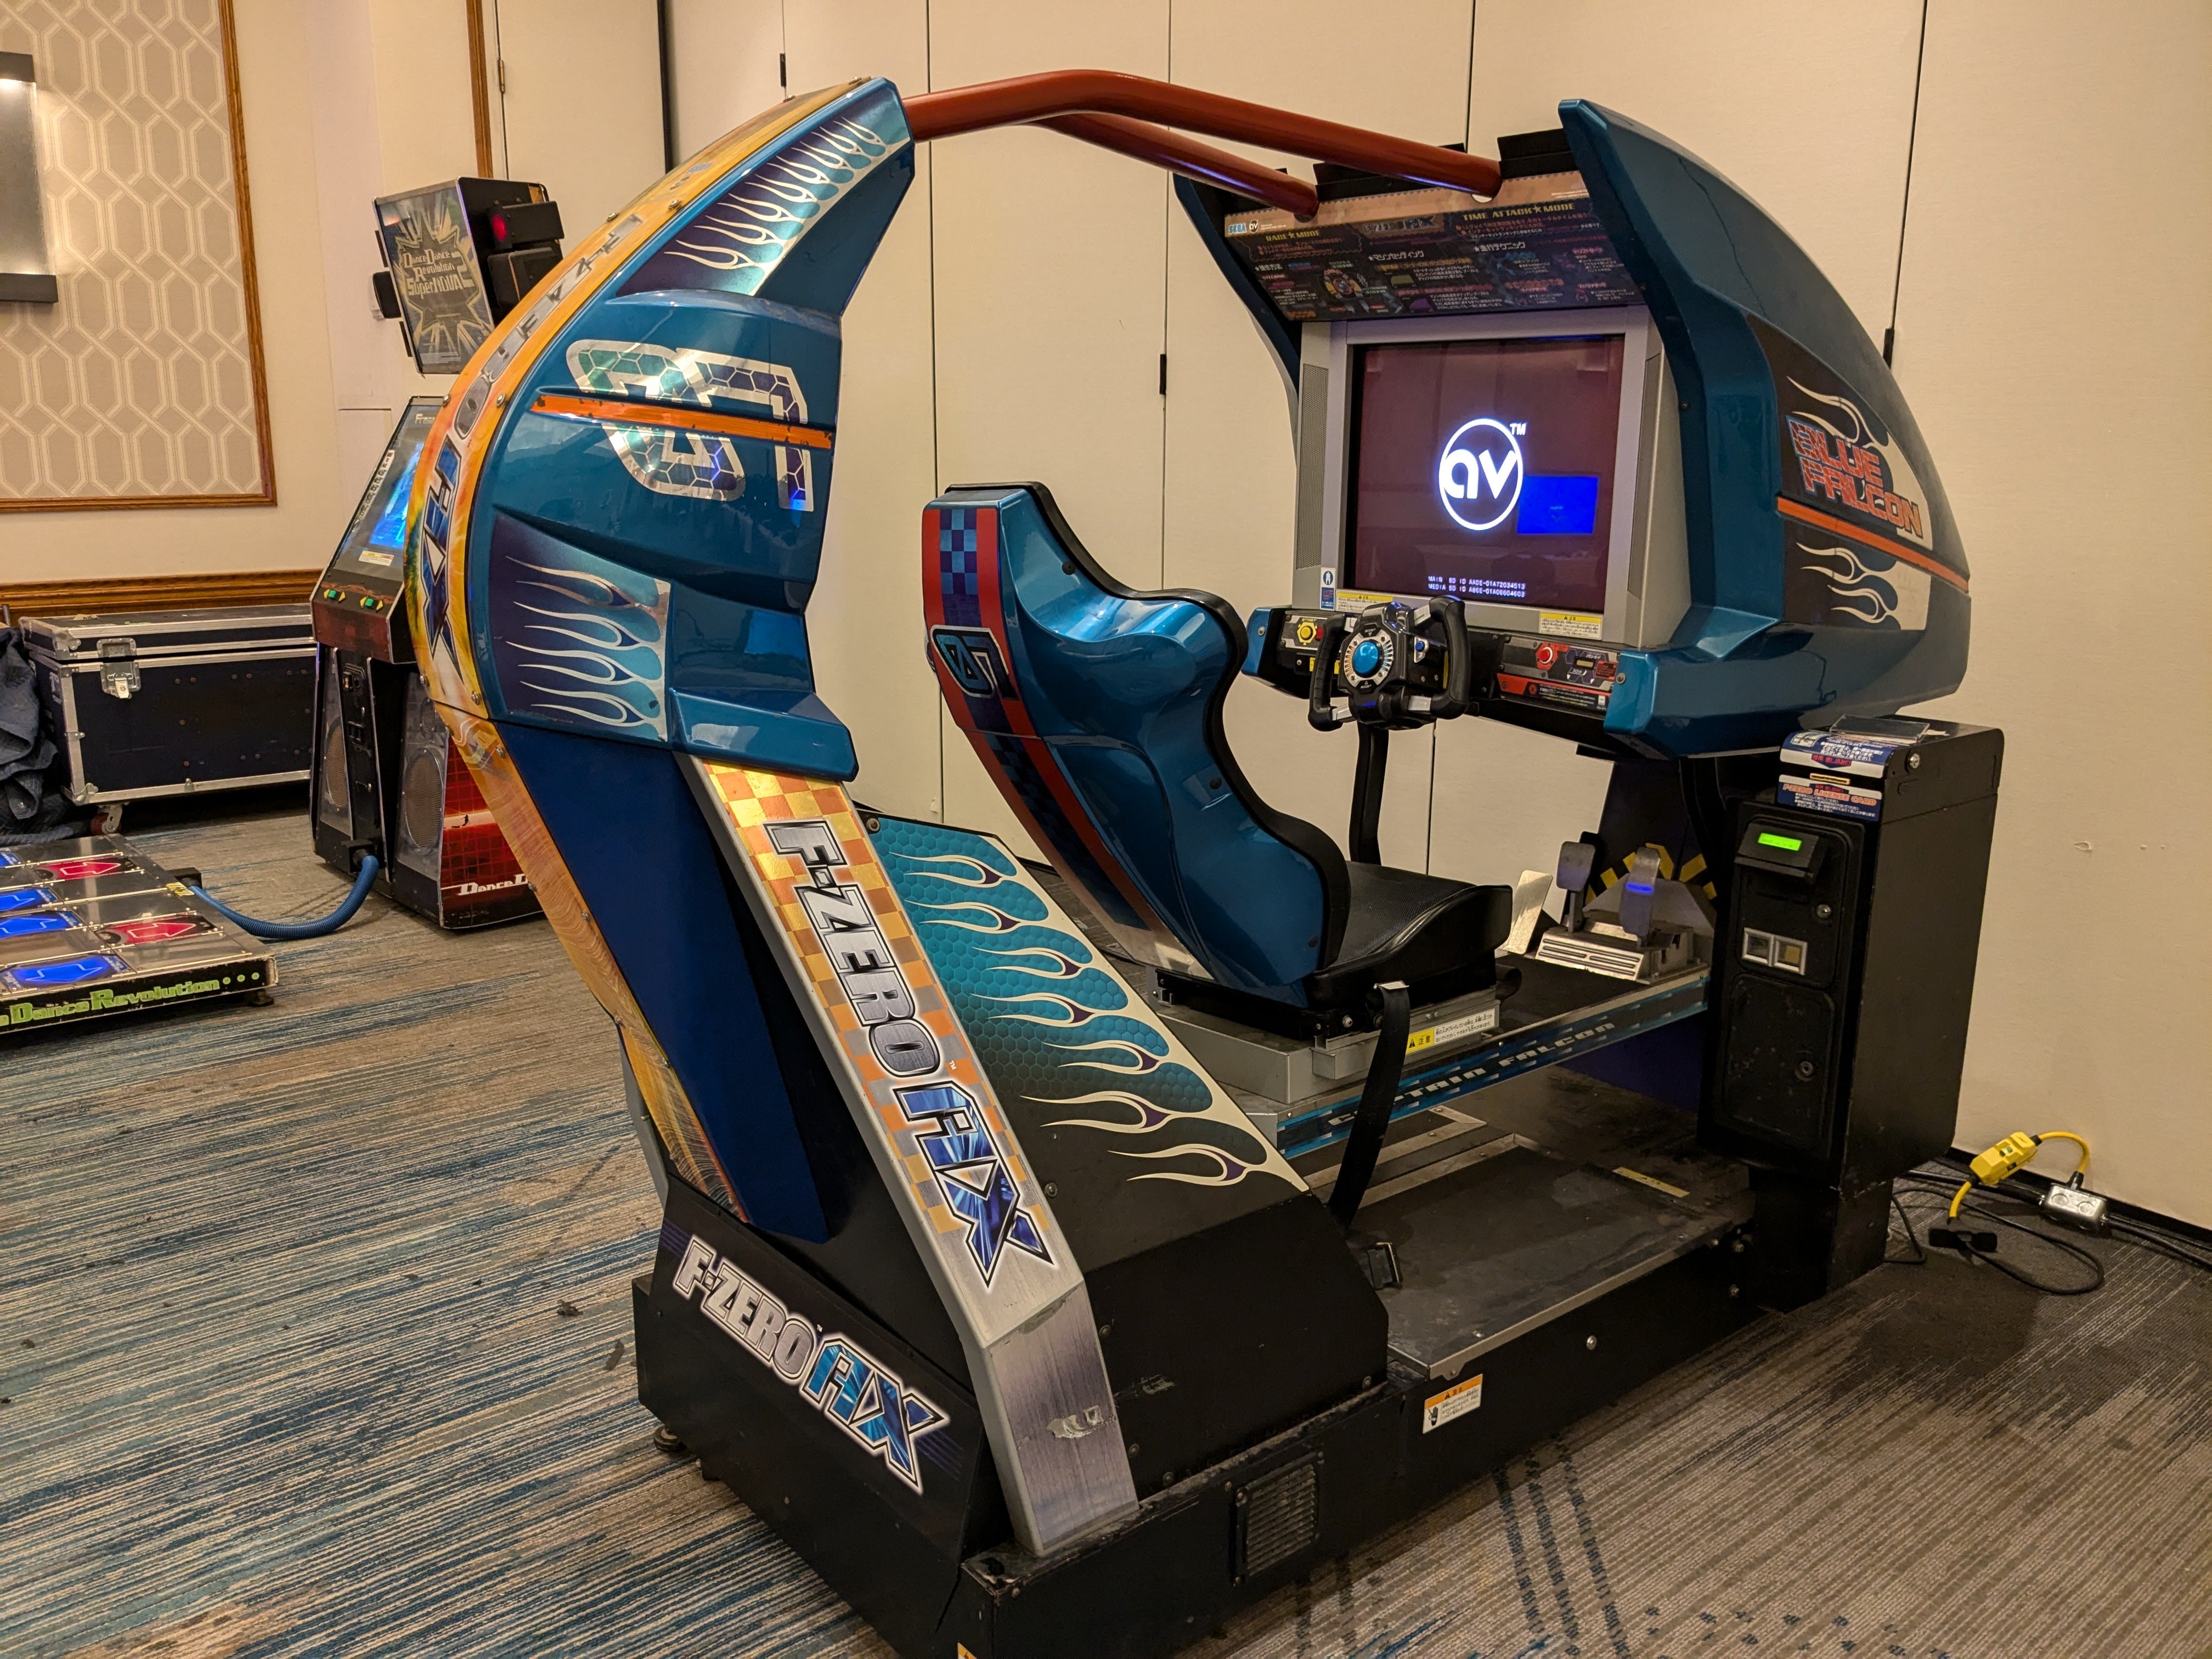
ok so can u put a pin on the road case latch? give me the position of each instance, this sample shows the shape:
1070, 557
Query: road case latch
118, 668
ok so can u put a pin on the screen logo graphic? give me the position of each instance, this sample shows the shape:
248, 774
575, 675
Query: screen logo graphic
1479, 473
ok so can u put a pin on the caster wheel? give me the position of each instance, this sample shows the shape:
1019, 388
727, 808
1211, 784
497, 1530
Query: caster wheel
667, 1439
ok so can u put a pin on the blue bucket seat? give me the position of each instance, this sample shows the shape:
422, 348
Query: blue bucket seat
1096, 709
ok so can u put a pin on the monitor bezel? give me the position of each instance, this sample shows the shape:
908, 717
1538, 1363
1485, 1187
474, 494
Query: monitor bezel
345, 560
1639, 363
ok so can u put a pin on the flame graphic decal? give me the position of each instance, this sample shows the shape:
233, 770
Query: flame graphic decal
1071, 1012
591, 649
1141, 1060
980, 874
1149, 1117
1000, 922
1227, 1172
1040, 1041
1898, 595
1063, 965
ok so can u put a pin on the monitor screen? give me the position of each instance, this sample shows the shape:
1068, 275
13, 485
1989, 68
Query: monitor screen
1483, 470
389, 533
377, 535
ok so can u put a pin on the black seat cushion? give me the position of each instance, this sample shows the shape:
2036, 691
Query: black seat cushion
1438, 935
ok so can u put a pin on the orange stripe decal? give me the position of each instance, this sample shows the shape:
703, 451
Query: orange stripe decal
685, 419
1896, 550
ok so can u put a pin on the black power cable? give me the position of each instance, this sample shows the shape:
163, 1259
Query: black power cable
2125, 1228
2134, 1232
2087, 1257
1919, 1256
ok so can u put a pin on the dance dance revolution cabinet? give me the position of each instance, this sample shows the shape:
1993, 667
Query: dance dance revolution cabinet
387, 778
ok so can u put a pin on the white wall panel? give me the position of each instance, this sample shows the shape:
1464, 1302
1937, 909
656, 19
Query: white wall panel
1050, 262
722, 59
581, 112
1824, 151
866, 619
1818, 137
1229, 474
2052, 337
371, 375
424, 111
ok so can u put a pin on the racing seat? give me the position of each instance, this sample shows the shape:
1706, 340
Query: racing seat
1096, 709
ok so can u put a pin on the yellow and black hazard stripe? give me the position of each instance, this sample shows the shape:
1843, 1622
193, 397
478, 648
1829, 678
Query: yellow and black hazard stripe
1616, 874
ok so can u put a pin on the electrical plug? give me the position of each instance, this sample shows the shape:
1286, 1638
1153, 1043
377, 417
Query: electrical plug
2075, 1205
1965, 1240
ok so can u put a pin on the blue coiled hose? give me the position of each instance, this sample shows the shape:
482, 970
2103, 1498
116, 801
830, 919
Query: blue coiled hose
328, 924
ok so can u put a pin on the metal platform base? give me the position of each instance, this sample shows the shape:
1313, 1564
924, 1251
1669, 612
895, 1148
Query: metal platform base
1567, 1188
1561, 1250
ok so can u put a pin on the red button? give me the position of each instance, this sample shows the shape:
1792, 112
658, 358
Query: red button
1546, 655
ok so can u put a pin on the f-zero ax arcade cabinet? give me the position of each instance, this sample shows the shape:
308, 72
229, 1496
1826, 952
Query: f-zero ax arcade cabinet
1063, 1257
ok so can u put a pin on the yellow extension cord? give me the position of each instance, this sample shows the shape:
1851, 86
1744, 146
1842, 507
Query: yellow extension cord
2011, 1155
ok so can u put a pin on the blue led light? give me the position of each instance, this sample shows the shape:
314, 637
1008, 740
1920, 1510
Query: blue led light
1557, 504
23, 899
46, 976
51, 921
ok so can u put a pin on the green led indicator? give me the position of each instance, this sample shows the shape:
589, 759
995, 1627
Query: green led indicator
1787, 843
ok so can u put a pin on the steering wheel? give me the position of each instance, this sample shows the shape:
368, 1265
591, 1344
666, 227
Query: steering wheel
1394, 667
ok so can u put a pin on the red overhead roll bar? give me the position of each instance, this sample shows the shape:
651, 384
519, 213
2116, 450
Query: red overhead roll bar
1095, 93
1186, 156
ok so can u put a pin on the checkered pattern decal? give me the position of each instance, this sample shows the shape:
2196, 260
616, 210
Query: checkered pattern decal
956, 564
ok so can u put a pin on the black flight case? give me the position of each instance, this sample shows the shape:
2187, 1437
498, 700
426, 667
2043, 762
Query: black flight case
173, 703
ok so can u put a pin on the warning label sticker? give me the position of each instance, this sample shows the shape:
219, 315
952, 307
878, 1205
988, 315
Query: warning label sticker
1457, 1401
1571, 624
1452, 1031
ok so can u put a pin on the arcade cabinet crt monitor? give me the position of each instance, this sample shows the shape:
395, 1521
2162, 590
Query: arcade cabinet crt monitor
375, 541
357, 603
1527, 465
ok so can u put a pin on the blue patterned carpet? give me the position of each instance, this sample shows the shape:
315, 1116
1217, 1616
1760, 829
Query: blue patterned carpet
288, 1373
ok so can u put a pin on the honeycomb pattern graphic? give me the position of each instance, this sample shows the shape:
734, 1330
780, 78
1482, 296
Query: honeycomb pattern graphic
140, 382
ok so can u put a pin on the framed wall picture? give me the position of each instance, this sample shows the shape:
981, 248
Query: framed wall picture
142, 383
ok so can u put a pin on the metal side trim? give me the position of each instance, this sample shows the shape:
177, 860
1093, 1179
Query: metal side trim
972, 1203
